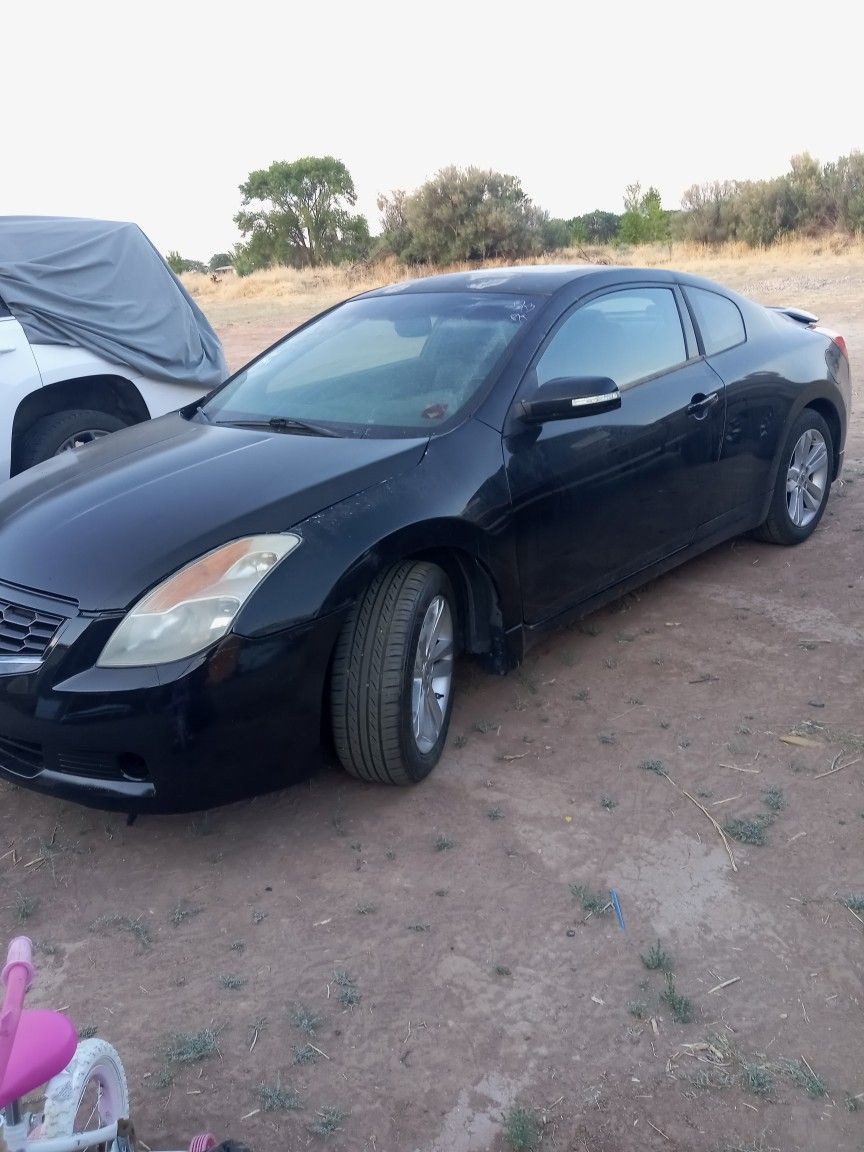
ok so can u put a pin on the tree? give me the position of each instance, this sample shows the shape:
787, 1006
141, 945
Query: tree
179, 264
463, 214
220, 260
597, 227
644, 220
298, 213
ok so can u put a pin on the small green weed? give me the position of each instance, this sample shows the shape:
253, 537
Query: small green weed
854, 903
419, 927
366, 909
306, 1020
328, 1123
135, 926
653, 766
774, 798
757, 1078
87, 1032
25, 906
802, 1076
680, 1006
608, 803
190, 1047
583, 694
495, 814
521, 1129
275, 1098
657, 959
484, 726
183, 911
443, 843
597, 903
233, 983
638, 1008
349, 993
306, 1054
754, 831
502, 970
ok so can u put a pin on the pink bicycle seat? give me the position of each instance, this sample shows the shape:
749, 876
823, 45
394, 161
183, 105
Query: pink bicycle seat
44, 1044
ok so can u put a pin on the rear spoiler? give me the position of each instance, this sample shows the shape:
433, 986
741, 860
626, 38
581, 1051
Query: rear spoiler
797, 314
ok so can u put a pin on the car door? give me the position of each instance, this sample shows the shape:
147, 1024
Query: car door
598, 497
19, 376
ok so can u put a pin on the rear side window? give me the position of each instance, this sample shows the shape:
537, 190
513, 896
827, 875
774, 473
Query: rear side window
625, 335
719, 320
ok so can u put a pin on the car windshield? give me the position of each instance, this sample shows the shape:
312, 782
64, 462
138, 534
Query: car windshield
401, 364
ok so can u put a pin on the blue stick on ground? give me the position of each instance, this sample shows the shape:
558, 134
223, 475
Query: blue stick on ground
617, 908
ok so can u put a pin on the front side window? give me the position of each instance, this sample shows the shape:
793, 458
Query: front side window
719, 320
625, 335
401, 364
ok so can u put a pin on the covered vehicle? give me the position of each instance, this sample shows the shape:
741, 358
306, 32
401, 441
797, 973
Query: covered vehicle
96, 333
455, 463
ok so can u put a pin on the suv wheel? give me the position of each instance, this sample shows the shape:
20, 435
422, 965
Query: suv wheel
63, 431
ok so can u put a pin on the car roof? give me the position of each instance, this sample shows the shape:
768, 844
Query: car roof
532, 279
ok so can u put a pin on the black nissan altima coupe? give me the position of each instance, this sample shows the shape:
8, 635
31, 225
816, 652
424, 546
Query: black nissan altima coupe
193, 608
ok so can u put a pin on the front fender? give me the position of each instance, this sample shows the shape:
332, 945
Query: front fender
456, 498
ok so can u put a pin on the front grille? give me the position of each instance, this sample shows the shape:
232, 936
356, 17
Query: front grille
21, 757
26, 631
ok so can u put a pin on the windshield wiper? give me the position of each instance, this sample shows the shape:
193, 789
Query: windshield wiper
281, 424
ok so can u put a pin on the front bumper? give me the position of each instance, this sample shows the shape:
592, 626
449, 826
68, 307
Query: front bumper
243, 718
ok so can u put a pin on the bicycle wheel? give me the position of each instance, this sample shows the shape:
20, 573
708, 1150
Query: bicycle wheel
89, 1093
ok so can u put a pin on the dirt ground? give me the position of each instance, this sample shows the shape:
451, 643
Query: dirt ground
478, 979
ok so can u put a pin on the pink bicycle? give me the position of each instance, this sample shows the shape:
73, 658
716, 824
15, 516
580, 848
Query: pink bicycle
86, 1103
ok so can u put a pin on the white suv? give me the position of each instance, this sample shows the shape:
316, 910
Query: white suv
70, 292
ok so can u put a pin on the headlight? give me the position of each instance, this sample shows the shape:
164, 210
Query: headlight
196, 606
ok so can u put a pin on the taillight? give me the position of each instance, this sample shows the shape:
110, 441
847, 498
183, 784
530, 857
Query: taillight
835, 338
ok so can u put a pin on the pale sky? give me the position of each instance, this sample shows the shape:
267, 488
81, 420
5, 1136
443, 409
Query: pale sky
156, 111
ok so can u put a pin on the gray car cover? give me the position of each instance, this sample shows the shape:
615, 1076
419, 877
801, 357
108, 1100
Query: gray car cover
102, 285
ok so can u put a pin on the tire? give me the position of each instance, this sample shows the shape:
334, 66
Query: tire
88, 1094
800, 493
53, 434
391, 700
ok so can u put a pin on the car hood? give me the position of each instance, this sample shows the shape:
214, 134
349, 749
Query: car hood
104, 523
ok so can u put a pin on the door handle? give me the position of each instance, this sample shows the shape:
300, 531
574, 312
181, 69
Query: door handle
700, 405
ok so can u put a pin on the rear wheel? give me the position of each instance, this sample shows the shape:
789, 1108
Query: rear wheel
803, 482
63, 431
392, 682
90, 1093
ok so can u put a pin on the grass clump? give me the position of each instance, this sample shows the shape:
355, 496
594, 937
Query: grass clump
854, 903
25, 906
774, 798
136, 927
653, 766
802, 1076
305, 1054
608, 803
306, 1020
419, 927
233, 983
87, 1032
443, 843
328, 1122
349, 993
495, 814
754, 831
596, 903
656, 959
275, 1098
190, 1047
680, 1006
502, 970
521, 1129
757, 1078
638, 1008
182, 912
366, 909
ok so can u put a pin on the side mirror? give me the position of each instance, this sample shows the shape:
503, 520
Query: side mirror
571, 397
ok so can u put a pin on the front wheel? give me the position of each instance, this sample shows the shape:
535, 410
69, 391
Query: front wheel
803, 482
63, 431
90, 1093
392, 680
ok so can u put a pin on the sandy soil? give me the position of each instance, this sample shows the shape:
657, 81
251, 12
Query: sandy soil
480, 982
